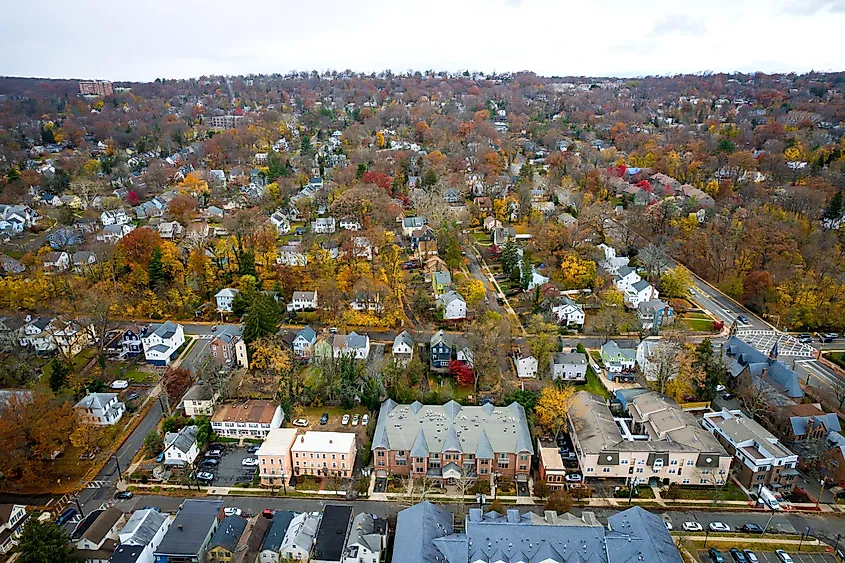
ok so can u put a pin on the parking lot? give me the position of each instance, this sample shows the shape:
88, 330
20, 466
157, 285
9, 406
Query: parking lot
230, 471
770, 557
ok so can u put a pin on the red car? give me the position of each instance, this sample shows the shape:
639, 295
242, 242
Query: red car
268, 513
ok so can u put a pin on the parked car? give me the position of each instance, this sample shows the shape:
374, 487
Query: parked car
692, 527
715, 555
65, 516
355, 419
210, 462
365, 420
720, 388
718, 527
805, 338
783, 556
232, 511
300, 422
573, 477
253, 449
333, 330
669, 525
160, 457
751, 528
205, 476
345, 420
324, 419
728, 396
742, 319
250, 462
737, 555
124, 495
750, 556
268, 513
216, 454
119, 384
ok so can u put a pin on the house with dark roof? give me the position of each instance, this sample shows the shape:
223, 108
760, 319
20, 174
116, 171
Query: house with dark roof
299, 539
224, 542
809, 422
780, 385
143, 534
191, 531
272, 544
440, 347
99, 540
367, 539
162, 342
332, 534
451, 442
181, 448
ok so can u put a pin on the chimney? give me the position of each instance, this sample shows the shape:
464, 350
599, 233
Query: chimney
302, 439
180, 527
330, 441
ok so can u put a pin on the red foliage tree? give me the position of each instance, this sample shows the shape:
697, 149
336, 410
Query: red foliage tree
379, 179
644, 185
177, 381
132, 198
461, 372
137, 246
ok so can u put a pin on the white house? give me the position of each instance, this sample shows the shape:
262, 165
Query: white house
323, 225
647, 350
161, 344
290, 255
12, 519
403, 348
114, 217
113, 233
611, 262
142, 535
353, 345
224, 299
367, 539
71, 337
300, 536
640, 292
281, 222
303, 343
411, 224
170, 229
626, 276
100, 408
181, 448
37, 334
537, 280
526, 363
350, 224
57, 260
569, 366
567, 312
303, 300
453, 305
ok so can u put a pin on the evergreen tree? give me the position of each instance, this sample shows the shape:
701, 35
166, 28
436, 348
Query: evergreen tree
59, 372
429, 178
44, 541
834, 208
262, 318
452, 256
246, 263
527, 274
510, 256
156, 270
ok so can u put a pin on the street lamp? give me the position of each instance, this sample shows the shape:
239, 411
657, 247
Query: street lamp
706, 536
804, 535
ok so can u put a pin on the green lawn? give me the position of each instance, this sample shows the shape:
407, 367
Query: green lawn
130, 372
698, 316
728, 492
78, 361
699, 325
459, 392
482, 238
837, 358
593, 385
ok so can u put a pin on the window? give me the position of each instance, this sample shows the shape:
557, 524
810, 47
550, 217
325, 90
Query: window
342, 456
686, 481
760, 477
400, 462
484, 472
671, 471
623, 461
437, 456
401, 453
420, 460
590, 469
605, 470
380, 463
703, 481
485, 462
673, 462
640, 462
523, 458
690, 462
503, 456
334, 456
639, 469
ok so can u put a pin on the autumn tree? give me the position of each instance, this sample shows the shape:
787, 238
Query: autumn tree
85, 436
462, 372
553, 407
541, 489
176, 381
45, 541
543, 341
676, 282
560, 501
269, 356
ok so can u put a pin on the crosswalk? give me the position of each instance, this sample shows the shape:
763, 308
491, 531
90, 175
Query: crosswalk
206, 337
97, 484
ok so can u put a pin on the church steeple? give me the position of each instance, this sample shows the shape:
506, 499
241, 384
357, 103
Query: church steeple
773, 353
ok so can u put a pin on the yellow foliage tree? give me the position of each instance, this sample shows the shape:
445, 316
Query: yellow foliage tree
576, 272
472, 290
380, 142
193, 185
553, 406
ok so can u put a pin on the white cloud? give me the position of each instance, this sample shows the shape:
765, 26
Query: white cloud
185, 38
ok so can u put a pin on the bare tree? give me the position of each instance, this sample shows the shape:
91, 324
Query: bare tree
417, 489
654, 259
752, 395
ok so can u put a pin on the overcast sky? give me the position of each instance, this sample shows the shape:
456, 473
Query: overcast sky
143, 40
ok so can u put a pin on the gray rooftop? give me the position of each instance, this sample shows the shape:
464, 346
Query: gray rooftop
142, 527
481, 431
416, 528
278, 529
190, 527
442, 278
228, 534
182, 440
577, 358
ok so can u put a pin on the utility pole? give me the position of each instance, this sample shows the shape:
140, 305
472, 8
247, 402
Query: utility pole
767, 524
119, 472
804, 535
79, 507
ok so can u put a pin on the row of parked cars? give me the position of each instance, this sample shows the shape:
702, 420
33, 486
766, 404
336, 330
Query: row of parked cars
748, 528
355, 419
745, 556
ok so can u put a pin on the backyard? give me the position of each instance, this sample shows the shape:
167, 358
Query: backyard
593, 385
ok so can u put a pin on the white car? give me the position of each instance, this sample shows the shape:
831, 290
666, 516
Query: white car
365, 420
692, 527
573, 478
232, 511
345, 420
720, 388
205, 476
300, 422
718, 527
119, 384
783, 556
355, 419
669, 525
250, 462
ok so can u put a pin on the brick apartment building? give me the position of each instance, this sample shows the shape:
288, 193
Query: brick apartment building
96, 88
450, 442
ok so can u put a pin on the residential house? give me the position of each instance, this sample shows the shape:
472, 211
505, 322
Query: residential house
537, 279
403, 348
113, 233
639, 292
141, 536
367, 302
441, 282
761, 460
59, 261
411, 224
199, 400
780, 385
11, 265
362, 248
551, 468
82, 260
354, 345
270, 549
14, 219
197, 231
625, 277
424, 534
809, 422
330, 541
367, 539
99, 540
324, 453
37, 333
300, 536
224, 299
315, 183
12, 519
612, 263
162, 343
303, 343
251, 541
70, 337
214, 212
181, 448
567, 220
451, 195
281, 222
274, 457
441, 350
170, 229
324, 226
350, 224
647, 352
64, 237
453, 305
224, 543
100, 408
501, 235
523, 358
422, 440
115, 217
657, 441
571, 366
291, 255
655, 314
568, 313
229, 348
425, 246
303, 300
484, 204
126, 342
491, 224
191, 531
619, 362
248, 419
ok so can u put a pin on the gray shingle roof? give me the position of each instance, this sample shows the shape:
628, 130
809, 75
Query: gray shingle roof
278, 528
638, 535
190, 527
416, 528
741, 355
228, 534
